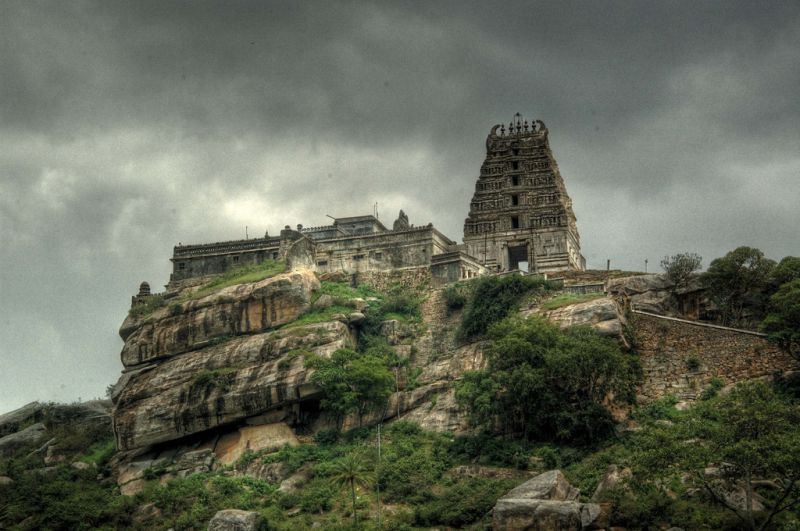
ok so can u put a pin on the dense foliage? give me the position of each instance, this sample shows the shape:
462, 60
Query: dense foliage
782, 323
493, 298
547, 384
352, 382
746, 441
738, 281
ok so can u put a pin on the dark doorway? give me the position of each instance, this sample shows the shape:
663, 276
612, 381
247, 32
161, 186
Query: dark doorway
518, 258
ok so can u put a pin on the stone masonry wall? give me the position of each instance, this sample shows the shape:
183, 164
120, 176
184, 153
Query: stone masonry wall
666, 347
412, 278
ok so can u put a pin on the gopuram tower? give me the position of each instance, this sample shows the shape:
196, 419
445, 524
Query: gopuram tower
520, 216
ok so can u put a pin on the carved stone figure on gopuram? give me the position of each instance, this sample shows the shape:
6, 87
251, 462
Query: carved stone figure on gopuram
520, 216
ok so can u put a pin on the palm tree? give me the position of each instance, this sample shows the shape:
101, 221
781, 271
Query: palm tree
350, 470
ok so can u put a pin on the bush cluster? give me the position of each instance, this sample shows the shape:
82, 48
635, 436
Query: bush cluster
493, 299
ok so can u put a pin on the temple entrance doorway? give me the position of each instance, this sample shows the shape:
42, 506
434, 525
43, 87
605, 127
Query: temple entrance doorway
518, 258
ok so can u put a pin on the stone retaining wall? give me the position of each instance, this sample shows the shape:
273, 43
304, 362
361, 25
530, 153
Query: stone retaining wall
668, 348
412, 278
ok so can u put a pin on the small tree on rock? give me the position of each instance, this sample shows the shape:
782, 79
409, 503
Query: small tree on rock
680, 267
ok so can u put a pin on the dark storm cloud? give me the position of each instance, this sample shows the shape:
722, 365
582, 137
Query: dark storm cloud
129, 126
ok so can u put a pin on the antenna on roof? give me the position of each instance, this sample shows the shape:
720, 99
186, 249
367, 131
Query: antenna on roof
375, 210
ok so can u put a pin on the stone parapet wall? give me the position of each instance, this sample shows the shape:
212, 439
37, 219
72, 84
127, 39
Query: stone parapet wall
411, 278
668, 349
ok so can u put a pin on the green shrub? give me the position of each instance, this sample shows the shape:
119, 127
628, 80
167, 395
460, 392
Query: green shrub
713, 388
221, 378
327, 437
463, 503
493, 299
543, 383
456, 295
487, 449
316, 497
150, 304
661, 409
692, 362
343, 290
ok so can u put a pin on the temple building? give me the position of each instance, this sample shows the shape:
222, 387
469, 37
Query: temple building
520, 216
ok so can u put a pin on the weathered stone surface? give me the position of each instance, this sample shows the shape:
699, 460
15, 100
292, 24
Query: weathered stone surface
356, 318
601, 314
546, 502
236, 520
649, 293
29, 413
235, 310
254, 439
5, 480
30, 435
550, 485
544, 515
296, 480
270, 472
612, 479
188, 463
323, 302
665, 347
240, 378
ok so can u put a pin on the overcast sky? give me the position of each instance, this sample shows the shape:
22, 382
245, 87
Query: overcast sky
128, 127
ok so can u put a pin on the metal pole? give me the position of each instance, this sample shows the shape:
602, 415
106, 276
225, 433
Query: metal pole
377, 484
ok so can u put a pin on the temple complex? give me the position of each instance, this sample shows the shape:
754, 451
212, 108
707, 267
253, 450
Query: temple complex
520, 216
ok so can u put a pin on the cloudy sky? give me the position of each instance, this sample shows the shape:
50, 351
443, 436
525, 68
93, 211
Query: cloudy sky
126, 127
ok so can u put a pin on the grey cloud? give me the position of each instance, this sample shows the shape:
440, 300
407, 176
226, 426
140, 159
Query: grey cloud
130, 126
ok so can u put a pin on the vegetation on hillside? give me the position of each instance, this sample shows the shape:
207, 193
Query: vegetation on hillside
682, 464
544, 383
491, 299
543, 402
238, 275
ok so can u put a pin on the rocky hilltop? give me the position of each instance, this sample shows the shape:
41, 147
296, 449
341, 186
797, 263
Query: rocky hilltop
223, 372
219, 388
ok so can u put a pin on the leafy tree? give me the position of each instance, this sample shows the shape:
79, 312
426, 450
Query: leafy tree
352, 382
547, 384
738, 279
747, 436
680, 267
782, 323
788, 269
350, 471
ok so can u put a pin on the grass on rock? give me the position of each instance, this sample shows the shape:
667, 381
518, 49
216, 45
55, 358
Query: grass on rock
568, 299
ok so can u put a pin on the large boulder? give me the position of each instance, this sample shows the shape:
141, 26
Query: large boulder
550, 485
221, 384
601, 314
28, 414
649, 293
546, 502
25, 437
241, 309
236, 520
